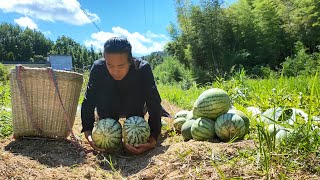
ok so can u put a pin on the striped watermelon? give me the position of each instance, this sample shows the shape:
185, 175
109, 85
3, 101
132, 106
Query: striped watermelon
212, 103
186, 129
243, 116
202, 129
177, 123
229, 126
135, 131
106, 134
182, 113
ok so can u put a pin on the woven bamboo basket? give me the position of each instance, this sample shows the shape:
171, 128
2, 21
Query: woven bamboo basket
44, 101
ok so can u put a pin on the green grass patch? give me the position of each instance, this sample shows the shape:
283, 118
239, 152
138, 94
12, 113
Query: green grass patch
5, 124
5, 113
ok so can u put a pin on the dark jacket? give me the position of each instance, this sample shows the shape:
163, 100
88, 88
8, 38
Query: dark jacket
124, 98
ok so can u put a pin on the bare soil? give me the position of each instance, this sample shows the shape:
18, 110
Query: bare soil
172, 159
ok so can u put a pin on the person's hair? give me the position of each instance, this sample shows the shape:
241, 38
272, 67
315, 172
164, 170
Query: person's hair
118, 45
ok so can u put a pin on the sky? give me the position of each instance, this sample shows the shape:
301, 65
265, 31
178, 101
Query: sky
92, 22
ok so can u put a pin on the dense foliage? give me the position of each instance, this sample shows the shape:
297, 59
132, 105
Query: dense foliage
5, 103
254, 34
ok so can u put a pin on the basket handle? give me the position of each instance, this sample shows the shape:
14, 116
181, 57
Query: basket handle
19, 69
67, 117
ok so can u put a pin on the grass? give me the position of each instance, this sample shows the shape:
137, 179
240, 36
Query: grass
5, 114
300, 150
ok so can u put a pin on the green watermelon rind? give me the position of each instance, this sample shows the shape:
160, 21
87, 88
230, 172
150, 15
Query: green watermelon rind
243, 116
202, 129
230, 126
177, 123
212, 103
186, 130
135, 131
182, 113
106, 134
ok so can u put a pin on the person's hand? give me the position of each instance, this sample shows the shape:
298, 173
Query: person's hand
88, 135
140, 148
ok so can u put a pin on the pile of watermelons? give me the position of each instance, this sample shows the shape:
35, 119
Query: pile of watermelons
212, 116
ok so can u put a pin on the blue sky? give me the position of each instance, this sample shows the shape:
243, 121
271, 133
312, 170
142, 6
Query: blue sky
143, 22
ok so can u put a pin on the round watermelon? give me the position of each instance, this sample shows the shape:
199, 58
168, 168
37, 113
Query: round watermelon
212, 103
186, 129
106, 134
182, 113
281, 135
135, 131
202, 129
229, 126
255, 111
273, 129
243, 116
177, 123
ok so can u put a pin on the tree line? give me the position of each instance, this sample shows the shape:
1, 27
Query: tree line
27, 45
212, 40
208, 40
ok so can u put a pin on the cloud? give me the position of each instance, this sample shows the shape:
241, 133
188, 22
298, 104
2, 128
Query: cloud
26, 22
46, 33
142, 44
67, 11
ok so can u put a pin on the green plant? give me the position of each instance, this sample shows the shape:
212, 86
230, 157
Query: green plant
302, 63
172, 71
109, 162
3, 74
5, 124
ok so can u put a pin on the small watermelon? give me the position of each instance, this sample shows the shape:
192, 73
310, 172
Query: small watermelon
229, 126
282, 135
212, 103
186, 129
106, 134
273, 129
135, 131
177, 123
182, 113
202, 129
255, 111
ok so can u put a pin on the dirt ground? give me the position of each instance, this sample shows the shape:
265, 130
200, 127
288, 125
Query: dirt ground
171, 159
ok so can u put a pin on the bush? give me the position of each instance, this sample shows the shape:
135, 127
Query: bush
4, 74
302, 63
171, 71
264, 72
5, 123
